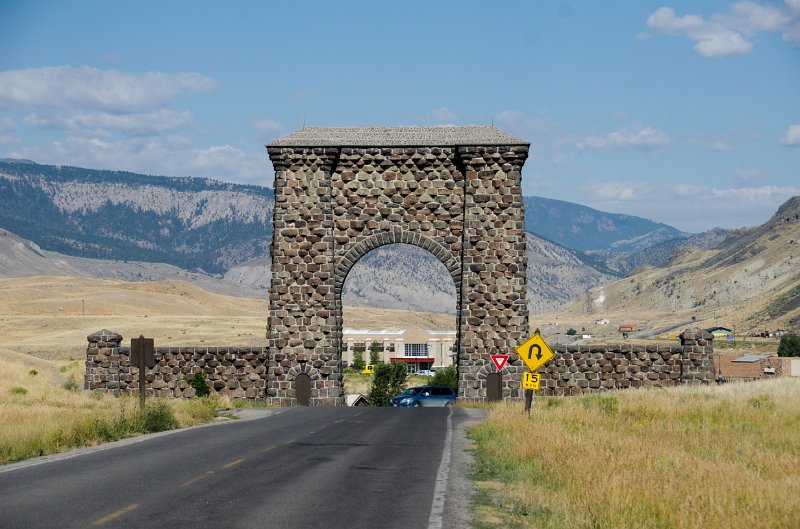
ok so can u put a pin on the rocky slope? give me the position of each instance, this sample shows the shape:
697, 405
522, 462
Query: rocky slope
751, 279
192, 223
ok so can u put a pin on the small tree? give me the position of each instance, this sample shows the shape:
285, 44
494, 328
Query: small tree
571, 332
375, 350
789, 346
198, 382
358, 358
446, 377
389, 380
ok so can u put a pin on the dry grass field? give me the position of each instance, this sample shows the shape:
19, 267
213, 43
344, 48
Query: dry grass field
703, 457
43, 411
50, 317
44, 322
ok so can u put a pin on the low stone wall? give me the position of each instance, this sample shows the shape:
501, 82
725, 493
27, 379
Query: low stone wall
237, 372
242, 372
592, 369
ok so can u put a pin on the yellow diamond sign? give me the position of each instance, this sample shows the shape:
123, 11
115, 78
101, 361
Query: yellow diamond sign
535, 352
530, 380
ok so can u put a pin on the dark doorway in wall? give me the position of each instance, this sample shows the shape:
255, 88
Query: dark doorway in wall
494, 388
302, 388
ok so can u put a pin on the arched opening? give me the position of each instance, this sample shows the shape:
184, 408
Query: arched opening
302, 389
399, 305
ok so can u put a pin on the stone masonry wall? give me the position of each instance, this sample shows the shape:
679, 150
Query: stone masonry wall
585, 369
335, 204
242, 372
237, 372
494, 315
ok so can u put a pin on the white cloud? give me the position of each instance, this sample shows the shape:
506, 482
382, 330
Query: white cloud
87, 87
441, 116
611, 192
643, 36
104, 123
171, 156
712, 39
756, 193
730, 33
268, 127
792, 136
713, 144
688, 190
636, 138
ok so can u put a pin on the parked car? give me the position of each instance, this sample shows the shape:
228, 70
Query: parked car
426, 372
425, 396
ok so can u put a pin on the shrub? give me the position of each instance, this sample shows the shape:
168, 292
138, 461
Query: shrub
33, 372
358, 359
571, 332
375, 350
446, 377
71, 384
158, 417
18, 390
198, 382
789, 346
389, 380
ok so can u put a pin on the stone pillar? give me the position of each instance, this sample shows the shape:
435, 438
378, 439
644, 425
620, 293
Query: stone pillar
494, 311
103, 362
697, 358
302, 306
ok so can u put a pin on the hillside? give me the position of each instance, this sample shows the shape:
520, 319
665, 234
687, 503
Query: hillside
583, 228
751, 280
128, 226
22, 258
192, 223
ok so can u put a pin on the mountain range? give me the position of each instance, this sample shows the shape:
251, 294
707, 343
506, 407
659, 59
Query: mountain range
119, 224
750, 279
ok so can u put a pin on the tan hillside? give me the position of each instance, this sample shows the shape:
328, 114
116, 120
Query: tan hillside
752, 281
50, 317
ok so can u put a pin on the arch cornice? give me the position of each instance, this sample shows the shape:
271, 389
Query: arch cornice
394, 236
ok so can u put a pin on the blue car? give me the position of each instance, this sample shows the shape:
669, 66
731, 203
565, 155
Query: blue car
425, 396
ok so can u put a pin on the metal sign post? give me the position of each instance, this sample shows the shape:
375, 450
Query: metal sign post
535, 353
142, 356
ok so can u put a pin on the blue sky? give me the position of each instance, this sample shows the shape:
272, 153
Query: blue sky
682, 112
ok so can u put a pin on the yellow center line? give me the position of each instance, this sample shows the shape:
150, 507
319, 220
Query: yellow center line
312, 432
267, 449
115, 515
234, 463
290, 441
195, 480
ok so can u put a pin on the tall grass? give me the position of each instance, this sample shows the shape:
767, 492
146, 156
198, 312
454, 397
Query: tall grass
712, 457
50, 416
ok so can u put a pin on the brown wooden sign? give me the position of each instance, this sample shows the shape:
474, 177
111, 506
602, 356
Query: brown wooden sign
143, 352
143, 355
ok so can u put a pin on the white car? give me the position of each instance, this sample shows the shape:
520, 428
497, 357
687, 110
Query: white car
426, 372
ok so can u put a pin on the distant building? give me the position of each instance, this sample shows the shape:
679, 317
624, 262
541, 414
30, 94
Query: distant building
627, 327
419, 349
720, 332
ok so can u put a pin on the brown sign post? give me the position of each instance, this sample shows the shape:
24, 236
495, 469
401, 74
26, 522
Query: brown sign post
142, 356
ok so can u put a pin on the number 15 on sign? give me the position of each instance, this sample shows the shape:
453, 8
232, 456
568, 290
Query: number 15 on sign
530, 380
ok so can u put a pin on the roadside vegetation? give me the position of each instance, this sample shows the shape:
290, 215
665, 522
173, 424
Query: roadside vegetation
44, 411
711, 457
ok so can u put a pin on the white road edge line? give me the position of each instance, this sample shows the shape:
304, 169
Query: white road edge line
439, 492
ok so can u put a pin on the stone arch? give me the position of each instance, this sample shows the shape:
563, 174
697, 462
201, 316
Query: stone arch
395, 236
340, 193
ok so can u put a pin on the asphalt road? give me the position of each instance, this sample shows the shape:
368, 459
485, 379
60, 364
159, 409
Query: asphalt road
303, 467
